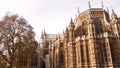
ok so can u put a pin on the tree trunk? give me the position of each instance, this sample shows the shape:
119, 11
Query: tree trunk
28, 61
11, 63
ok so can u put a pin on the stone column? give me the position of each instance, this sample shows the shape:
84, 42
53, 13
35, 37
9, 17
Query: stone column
47, 62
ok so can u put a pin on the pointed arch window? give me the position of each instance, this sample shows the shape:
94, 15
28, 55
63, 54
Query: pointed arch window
85, 28
98, 26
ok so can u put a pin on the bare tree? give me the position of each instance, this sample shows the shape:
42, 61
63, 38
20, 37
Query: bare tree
15, 33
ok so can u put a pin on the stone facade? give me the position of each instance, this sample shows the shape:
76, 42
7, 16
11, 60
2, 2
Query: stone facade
91, 41
44, 49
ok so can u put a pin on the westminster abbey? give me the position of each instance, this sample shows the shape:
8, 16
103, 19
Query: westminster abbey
92, 40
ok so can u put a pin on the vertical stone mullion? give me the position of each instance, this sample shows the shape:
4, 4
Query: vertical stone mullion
92, 53
85, 54
80, 54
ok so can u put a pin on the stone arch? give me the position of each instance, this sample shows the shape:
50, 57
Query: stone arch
45, 59
46, 63
42, 63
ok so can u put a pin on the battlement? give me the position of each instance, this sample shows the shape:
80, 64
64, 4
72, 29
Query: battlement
101, 35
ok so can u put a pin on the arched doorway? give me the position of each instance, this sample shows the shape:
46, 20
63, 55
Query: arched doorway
98, 26
43, 60
43, 64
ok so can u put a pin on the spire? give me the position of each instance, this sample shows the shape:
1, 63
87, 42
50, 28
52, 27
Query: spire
102, 4
66, 29
78, 11
58, 35
44, 32
71, 21
75, 17
114, 15
107, 10
89, 4
89, 9
71, 25
63, 31
42, 35
113, 11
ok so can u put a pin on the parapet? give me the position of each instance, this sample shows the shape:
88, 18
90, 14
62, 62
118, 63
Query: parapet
101, 35
83, 37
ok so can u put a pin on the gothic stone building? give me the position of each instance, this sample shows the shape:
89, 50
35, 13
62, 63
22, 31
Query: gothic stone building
44, 51
91, 41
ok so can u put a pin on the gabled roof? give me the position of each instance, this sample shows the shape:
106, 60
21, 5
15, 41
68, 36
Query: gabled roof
53, 36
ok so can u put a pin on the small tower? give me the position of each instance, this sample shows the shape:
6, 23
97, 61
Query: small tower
114, 15
63, 32
71, 25
43, 39
42, 35
66, 35
71, 31
114, 22
66, 29
58, 35
106, 15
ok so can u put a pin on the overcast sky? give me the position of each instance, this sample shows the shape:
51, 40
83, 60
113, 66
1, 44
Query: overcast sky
51, 15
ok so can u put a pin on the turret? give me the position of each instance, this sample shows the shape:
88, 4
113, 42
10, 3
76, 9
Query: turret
114, 15
71, 25
43, 34
66, 35
66, 30
43, 39
106, 15
114, 22
58, 36
71, 31
63, 32
91, 26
